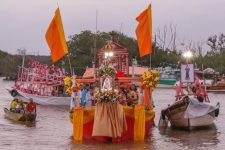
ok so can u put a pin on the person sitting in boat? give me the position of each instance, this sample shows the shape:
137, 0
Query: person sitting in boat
31, 106
132, 95
200, 97
20, 107
13, 105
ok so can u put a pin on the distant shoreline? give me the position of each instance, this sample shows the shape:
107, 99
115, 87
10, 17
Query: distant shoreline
3, 78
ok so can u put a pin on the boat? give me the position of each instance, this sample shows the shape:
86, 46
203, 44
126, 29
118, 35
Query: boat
218, 86
20, 117
167, 77
44, 84
111, 117
189, 113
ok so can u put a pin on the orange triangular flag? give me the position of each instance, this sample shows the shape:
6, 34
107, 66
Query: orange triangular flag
55, 38
144, 32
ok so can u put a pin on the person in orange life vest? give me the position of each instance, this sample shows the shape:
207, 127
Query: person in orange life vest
132, 95
31, 107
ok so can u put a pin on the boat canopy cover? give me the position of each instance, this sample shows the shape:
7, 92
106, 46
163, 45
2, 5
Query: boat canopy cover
197, 109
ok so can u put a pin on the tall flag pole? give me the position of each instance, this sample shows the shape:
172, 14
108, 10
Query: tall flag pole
144, 32
55, 37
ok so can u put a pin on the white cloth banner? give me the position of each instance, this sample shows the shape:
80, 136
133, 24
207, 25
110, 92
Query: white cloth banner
44, 100
197, 109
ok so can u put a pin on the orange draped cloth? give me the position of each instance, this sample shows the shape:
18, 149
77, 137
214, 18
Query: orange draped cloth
147, 100
139, 123
109, 120
78, 118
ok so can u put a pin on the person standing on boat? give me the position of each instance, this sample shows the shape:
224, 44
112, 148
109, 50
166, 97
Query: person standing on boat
179, 91
84, 94
31, 106
89, 99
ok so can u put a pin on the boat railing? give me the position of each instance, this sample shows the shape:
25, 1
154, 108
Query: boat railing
31, 75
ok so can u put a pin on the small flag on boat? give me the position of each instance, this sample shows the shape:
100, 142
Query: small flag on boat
55, 38
144, 32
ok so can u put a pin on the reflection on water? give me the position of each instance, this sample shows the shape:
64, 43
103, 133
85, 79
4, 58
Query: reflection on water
192, 139
53, 130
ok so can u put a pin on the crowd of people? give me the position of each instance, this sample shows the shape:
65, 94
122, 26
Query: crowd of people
18, 106
128, 95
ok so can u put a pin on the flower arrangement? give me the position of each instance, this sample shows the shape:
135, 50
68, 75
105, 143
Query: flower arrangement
106, 70
68, 84
107, 96
150, 79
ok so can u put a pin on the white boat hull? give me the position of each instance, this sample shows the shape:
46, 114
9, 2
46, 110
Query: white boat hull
43, 100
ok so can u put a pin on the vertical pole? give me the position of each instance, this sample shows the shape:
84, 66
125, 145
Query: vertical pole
187, 66
150, 63
23, 62
133, 68
204, 77
95, 43
70, 64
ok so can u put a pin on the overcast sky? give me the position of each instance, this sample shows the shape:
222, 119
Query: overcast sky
23, 23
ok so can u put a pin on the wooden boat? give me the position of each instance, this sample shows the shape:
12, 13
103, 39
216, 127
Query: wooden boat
219, 86
19, 116
175, 114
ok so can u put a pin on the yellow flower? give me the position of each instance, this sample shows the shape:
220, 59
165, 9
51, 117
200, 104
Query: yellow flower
156, 79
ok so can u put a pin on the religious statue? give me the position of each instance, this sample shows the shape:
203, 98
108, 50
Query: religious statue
107, 85
187, 69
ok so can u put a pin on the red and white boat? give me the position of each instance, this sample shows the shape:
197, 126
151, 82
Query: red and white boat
44, 84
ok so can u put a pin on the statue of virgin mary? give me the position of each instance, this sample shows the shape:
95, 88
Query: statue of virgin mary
107, 85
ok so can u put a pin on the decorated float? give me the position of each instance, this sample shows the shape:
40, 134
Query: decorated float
113, 116
43, 83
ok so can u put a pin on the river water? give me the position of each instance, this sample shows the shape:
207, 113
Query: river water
53, 129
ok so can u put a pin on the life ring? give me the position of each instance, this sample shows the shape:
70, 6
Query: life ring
14, 93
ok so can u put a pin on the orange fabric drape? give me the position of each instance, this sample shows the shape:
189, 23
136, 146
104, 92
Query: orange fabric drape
129, 112
147, 100
55, 38
109, 120
144, 32
78, 118
139, 123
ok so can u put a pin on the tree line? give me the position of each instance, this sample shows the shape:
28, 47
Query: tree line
83, 46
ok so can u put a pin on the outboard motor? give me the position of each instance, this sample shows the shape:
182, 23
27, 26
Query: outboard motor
217, 111
163, 121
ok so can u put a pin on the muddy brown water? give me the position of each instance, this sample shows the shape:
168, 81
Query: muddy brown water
53, 130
